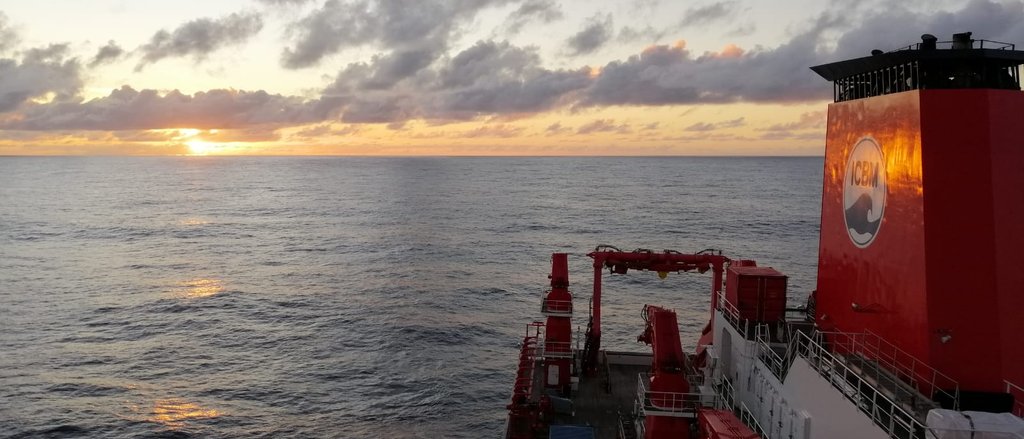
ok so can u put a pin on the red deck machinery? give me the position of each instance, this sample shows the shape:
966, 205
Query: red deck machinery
619, 262
668, 373
557, 306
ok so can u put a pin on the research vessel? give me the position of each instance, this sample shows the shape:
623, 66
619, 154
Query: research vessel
915, 329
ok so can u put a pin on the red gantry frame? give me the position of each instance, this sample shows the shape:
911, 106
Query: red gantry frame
669, 261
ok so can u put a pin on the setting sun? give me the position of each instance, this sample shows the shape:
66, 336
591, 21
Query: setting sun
201, 147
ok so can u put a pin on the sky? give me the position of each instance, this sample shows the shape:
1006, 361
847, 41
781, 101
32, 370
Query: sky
444, 77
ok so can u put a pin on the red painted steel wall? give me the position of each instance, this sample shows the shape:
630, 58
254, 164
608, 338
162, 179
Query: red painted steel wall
974, 178
880, 287
1006, 110
943, 263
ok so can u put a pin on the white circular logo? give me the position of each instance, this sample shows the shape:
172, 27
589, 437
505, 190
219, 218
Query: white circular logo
864, 192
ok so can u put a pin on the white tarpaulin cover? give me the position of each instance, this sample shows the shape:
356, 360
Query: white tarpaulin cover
951, 424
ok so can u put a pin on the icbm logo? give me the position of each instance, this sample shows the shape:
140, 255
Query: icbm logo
864, 192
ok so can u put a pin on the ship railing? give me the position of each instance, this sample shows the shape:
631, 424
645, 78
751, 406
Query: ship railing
775, 362
555, 349
641, 429
673, 404
556, 308
522, 389
726, 392
747, 417
732, 315
899, 363
888, 414
974, 44
1018, 398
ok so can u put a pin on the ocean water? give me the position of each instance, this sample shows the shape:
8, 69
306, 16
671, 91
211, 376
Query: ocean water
342, 297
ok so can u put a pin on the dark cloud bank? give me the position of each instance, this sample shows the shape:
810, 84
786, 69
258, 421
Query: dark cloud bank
415, 77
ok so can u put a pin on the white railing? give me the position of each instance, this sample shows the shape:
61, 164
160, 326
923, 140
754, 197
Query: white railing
1018, 398
899, 363
727, 394
732, 314
555, 349
557, 308
674, 404
747, 417
891, 416
767, 355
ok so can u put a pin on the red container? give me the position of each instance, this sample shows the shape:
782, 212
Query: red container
723, 424
757, 293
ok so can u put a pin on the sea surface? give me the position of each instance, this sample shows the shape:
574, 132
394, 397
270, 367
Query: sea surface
343, 297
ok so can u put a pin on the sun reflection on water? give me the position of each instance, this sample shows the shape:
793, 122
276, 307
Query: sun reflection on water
193, 222
174, 412
200, 288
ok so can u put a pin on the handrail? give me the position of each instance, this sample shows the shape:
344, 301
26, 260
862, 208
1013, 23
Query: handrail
904, 366
1018, 398
522, 387
556, 349
767, 355
727, 394
557, 307
675, 404
896, 421
997, 45
732, 314
748, 418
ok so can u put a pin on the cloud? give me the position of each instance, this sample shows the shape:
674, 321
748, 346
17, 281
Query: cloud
898, 26
556, 128
501, 130
809, 120
129, 109
43, 73
702, 15
488, 78
326, 129
543, 11
604, 126
384, 70
198, 38
393, 25
284, 2
706, 126
810, 125
670, 75
109, 53
595, 33
249, 134
628, 34
8, 36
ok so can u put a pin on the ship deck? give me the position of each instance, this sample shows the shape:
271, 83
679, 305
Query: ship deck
600, 399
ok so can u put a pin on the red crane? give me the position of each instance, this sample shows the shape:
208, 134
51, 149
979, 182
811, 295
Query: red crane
668, 385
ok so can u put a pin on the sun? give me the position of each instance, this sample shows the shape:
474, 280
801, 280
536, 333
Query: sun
200, 147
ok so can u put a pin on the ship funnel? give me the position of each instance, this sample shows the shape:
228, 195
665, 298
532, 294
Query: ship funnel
962, 40
928, 42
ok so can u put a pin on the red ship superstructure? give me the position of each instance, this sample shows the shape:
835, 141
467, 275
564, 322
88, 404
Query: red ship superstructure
914, 330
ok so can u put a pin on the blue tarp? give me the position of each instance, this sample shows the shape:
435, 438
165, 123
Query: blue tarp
570, 432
